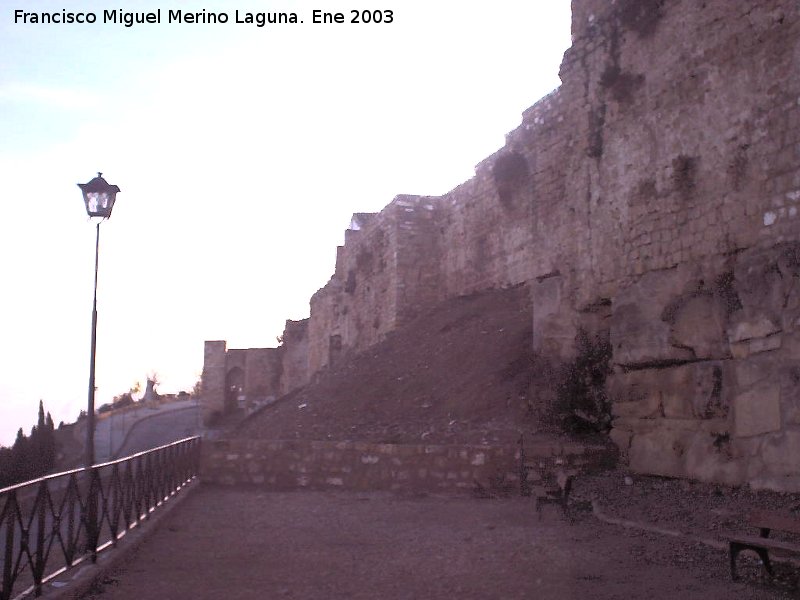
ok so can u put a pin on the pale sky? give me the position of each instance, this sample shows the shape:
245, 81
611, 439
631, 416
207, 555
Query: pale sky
241, 153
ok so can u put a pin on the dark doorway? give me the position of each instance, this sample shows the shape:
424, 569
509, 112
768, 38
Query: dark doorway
234, 387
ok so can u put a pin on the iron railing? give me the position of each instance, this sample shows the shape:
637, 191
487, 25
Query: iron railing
51, 524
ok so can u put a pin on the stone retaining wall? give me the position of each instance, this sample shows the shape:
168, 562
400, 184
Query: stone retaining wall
361, 466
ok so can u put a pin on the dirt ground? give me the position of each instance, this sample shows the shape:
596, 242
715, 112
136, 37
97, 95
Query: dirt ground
460, 373
245, 543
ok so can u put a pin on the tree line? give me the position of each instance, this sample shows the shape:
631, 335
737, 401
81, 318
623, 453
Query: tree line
31, 456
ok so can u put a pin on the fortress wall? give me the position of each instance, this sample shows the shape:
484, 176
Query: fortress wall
418, 256
294, 365
213, 379
485, 239
691, 179
654, 195
688, 109
357, 305
386, 272
263, 370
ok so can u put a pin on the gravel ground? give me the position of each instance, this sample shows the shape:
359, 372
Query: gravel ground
247, 543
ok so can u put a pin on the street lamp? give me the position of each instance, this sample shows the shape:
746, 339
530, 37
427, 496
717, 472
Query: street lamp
99, 196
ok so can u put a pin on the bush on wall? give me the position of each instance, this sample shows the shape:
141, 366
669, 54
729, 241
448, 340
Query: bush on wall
582, 405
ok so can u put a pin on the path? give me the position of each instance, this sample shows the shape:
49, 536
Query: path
245, 543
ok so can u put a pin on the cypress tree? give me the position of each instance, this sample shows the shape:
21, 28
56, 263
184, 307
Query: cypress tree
20, 458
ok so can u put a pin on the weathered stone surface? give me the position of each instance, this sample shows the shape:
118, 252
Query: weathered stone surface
791, 347
753, 370
630, 386
772, 342
759, 287
781, 452
554, 323
636, 425
709, 458
757, 411
213, 391
740, 350
699, 324
639, 333
697, 390
622, 439
660, 452
680, 424
647, 408
791, 407
758, 327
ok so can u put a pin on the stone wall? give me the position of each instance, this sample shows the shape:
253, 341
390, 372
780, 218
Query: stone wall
263, 371
294, 367
239, 379
653, 197
213, 380
692, 179
386, 272
708, 383
282, 465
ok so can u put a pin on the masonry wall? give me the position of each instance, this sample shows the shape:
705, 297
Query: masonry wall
296, 464
386, 273
213, 380
261, 374
653, 198
690, 125
263, 371
647, 197
294, 366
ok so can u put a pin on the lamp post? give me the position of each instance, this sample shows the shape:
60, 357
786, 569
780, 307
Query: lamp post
99, 196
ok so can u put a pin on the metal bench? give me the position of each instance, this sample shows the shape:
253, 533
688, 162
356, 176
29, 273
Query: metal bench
548, 478
555, 490
765, 521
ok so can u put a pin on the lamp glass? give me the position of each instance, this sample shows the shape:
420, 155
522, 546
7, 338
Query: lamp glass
99, 204
99, 196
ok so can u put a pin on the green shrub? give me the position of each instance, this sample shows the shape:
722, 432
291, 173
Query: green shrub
582, 405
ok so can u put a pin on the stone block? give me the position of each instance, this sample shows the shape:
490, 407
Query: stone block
648, 407
639, 333
554, 322
692, 391
699, 323
660, 452
781, 453
680, 424
772, 342
760, 290
740, 350
791, 346
757, 411
754, 369
706, 459
636, 425
758, 327
715, 426
622, 439
749, 447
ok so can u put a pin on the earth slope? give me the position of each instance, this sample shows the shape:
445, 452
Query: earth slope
458, 374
